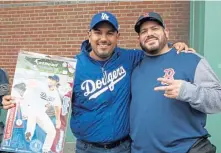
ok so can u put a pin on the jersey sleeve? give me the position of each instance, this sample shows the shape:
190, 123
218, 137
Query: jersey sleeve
135, 56
204, 94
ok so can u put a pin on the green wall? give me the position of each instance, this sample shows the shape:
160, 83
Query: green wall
205, 37
212, 52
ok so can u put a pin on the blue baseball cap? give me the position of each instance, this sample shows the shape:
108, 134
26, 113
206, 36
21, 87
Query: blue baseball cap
54, 77
151, 16
104, 16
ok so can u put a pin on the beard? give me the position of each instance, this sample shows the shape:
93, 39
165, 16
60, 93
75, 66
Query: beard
154, 49
103, 55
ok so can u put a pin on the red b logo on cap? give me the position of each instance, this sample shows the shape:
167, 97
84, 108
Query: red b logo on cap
146, 15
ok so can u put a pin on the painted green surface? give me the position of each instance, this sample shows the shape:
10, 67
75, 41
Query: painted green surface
212, 52
205, 37
197, 19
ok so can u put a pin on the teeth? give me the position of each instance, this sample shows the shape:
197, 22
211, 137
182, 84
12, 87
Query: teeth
103, 45
151, 39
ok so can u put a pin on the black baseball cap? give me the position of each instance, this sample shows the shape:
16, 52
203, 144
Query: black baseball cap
151, 16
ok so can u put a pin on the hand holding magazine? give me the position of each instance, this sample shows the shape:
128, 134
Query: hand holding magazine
41, 88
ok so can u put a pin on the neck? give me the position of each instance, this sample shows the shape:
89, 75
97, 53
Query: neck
51, 88
164, 50
97, 58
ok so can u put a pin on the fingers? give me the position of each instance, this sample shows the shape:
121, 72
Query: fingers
9, 106
188, 50
172, 88
169, 95
7, 102
191, 50
180, 46
165, 81
185, 47
169, 91
7, 97
163, 88
177, 46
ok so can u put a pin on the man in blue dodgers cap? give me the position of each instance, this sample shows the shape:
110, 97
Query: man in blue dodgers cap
172, 121
101, 91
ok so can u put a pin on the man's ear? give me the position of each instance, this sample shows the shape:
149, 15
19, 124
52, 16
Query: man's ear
166, 33
89, 35
138, 38
118, 35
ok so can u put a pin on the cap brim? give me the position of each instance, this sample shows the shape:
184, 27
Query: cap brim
102, 22
50, 77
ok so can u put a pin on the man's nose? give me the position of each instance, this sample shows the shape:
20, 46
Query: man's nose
149, 33
103, 37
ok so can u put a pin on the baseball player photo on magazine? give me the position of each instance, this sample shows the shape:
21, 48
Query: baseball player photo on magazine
42, 90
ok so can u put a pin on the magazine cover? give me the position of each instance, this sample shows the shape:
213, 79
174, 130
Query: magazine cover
42, 90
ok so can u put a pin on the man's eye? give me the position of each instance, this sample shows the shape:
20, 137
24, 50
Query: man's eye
110, 33
143, 32
155, 28
97, 32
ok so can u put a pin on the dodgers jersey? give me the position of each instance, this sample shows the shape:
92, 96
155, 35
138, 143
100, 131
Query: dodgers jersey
100, 106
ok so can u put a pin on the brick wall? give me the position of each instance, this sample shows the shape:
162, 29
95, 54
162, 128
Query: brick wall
58, 28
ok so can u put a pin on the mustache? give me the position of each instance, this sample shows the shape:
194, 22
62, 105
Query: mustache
148, 38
